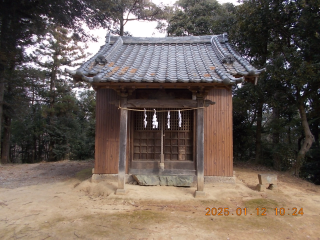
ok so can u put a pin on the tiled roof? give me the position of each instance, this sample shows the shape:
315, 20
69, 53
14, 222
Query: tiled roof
208, 59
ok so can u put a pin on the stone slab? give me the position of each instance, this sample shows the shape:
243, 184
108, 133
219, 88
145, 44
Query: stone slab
110, 177
267, 178
147, 180
152, 180
163, 181
184, 181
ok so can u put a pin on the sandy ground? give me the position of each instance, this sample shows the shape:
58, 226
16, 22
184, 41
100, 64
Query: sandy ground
55, 201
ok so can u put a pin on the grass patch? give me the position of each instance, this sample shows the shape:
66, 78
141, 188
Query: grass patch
261, 203
84, 174
144, 216
210, 203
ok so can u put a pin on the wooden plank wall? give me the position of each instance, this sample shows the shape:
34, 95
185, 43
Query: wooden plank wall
107, 133
218, 146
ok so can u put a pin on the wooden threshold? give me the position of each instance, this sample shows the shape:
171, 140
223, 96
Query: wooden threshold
168, 165
166, 172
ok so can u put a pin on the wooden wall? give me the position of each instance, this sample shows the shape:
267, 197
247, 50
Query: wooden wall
218, 155
218, 149
107, 132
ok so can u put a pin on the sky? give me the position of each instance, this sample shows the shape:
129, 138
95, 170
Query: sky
138, 28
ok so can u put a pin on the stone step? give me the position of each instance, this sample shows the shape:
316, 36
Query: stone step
154, 180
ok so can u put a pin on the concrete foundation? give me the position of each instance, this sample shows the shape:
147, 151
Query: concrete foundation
111, 177
219, 179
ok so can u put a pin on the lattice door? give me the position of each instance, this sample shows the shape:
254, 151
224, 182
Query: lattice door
178, 141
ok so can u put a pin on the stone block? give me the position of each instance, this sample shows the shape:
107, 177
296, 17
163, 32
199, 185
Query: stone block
261, 187
163, 180
152, 180
269, 180
184, 181
120, 191
147, 180
199, 194
171, 180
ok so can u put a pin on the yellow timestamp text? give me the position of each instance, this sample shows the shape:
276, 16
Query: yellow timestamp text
220, 211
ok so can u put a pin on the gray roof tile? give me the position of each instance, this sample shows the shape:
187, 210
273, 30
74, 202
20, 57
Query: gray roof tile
172, 59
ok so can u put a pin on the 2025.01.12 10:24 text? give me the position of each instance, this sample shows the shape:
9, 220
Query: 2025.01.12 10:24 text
259, 211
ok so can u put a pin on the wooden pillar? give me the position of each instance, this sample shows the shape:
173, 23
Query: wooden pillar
161, 164
200, 148
122, 144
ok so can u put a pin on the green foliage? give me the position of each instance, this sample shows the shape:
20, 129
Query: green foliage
244, 118
114, 14
283, 37
53, 124
71, 128
200, 18
24, 23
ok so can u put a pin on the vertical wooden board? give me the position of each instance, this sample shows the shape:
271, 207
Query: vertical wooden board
230, 135
218, 156
129, 141
107, 132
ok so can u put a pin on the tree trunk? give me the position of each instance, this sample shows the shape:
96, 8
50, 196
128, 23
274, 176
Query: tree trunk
315, 130
258, 132
2, 86
40, 144
121, 25
5, 151
276, 140
54, 69
3, 31
308, 140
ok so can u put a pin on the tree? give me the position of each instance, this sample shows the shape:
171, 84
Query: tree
82, 145
59, 48
72, 127
276, 35
21, 22
115, 14
200, 18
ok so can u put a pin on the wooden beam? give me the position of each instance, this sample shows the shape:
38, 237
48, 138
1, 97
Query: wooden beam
166, 172
123, 144
200, 148
166, 103
166, 85
143, 164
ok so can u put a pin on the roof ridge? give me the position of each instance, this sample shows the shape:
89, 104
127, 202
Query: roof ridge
164, 40
115, 47
223, 55
251, 70
82, 70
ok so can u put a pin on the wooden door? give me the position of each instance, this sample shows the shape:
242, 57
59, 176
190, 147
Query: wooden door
178, 141
176, 145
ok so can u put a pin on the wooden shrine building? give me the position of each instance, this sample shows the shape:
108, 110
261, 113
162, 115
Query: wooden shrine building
139, 78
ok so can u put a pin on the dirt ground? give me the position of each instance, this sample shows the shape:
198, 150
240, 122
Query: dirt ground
58, 201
